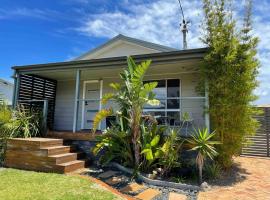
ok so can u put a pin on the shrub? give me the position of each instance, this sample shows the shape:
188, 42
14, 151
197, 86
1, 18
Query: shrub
230, 69
16, 123
116, 142
212, 170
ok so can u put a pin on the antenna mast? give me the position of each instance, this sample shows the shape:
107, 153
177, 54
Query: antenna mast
184, 26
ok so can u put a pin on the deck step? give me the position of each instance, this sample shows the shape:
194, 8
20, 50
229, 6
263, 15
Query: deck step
43, 154
56, 150
63, 158
70, 166
33, 143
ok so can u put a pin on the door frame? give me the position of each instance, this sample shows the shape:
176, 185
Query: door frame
100, 81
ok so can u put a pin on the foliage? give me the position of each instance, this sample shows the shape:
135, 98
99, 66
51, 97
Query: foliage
16, 123
150, 144
117, 145
131, 96
171, 152
230, 69
204, 146
178, 179
212, 171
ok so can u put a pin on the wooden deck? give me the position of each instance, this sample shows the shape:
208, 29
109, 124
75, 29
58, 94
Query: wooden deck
41, 154
67, 135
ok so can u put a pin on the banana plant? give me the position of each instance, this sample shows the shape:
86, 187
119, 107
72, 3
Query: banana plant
131, 96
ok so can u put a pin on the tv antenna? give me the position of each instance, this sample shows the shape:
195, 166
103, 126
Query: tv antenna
184, 26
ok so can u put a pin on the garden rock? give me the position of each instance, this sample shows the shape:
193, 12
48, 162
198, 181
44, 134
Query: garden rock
205, 187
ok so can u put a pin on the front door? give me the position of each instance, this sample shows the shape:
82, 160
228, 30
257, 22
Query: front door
91, 103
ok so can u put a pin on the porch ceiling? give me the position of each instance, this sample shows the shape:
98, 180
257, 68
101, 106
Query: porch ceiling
190, 66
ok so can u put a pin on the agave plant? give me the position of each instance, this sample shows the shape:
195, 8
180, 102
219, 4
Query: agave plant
201, 143
131, 96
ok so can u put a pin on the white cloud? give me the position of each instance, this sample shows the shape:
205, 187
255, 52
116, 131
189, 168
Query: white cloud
27, 12
158, 22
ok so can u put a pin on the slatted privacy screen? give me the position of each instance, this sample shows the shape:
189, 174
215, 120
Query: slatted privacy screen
34, 87
260, 143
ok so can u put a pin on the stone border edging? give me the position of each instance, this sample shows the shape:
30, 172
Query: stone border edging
180, 186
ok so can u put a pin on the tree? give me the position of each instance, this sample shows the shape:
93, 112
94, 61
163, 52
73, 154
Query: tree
230, 69
131, 96
201, 142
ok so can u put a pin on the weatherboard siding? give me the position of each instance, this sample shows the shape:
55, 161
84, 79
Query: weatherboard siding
64, 106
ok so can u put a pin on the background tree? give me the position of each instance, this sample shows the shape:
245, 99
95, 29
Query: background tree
230, 69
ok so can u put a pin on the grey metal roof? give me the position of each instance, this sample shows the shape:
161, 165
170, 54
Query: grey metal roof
6, 82
143, 43
180, 55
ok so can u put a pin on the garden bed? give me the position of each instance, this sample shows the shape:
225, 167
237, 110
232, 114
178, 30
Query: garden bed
126, 177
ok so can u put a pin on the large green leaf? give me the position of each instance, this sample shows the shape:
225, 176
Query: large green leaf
106, 97
102, 114
155, 141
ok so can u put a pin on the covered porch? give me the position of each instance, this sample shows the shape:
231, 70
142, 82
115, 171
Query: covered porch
80, 86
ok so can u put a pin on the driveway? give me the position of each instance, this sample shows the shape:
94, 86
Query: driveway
252, 182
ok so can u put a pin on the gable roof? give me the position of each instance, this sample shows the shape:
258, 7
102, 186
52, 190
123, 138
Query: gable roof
120, 37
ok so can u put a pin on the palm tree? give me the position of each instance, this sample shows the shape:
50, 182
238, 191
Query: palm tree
131, 97
202, 143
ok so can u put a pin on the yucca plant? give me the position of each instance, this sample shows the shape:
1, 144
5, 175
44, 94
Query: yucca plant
201, 143
131, 97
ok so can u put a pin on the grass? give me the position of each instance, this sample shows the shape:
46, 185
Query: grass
19, 185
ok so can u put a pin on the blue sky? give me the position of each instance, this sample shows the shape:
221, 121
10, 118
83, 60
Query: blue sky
38, 31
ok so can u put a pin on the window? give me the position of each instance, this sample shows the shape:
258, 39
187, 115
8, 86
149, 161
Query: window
168, 93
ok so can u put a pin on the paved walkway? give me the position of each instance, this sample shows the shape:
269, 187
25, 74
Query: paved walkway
253, 183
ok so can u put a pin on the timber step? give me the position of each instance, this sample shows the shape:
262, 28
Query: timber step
42, 154
56, 150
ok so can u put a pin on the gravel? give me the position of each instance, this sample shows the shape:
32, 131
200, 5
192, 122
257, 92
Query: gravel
191, 194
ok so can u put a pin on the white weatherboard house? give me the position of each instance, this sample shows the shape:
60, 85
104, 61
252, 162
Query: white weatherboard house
6, 91
71, 91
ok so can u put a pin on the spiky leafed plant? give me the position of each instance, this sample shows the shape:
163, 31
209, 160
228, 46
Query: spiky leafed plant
131, 96
202, 143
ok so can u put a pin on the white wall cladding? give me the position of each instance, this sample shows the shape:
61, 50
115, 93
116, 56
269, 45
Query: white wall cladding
64, 107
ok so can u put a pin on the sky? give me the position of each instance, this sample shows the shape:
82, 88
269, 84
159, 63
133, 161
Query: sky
38, 31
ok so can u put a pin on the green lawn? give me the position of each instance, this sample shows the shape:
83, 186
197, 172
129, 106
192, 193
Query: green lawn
19, 184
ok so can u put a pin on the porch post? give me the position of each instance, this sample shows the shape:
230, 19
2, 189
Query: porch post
45, 116
16, 89
100, 97
207, 119
76, 100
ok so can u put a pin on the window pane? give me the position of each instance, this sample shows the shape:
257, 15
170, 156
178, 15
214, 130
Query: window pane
173, 118
173, 87
173, 104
